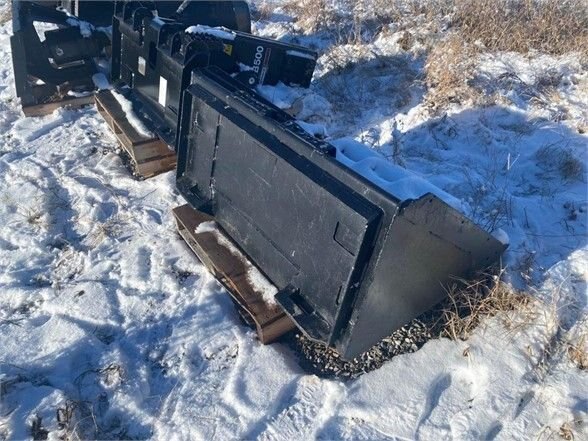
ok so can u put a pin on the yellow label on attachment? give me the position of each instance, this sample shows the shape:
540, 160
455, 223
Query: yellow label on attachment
228, 49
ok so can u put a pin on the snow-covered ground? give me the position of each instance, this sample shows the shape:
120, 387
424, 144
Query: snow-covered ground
109, 328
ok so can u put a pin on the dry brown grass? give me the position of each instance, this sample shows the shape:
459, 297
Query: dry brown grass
551, 26
469, 302
450, 68
111, 228
314, 15
399, 10
561, 158
5, 13
578, 351
263, 11
349, 19
34, 214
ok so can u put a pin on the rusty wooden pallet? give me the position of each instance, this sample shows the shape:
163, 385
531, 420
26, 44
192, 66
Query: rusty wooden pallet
150, 156
231, 269
48, 107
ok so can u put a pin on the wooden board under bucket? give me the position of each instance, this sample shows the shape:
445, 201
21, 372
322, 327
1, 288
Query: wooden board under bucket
231, 268
150, 156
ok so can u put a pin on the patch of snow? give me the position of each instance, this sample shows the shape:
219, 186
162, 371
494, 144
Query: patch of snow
127, 107
105, 29
27, 129
312, 107
78, 94
300, 54
245, 68
41, 28
399, 182
206, 227
219, 32
258, 281
501, 236
262, 285
101, 82
314, 129
86, 28
281, 95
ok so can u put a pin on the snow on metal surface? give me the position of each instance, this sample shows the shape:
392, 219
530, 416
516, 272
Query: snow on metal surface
257, 280
220, 32
127, 107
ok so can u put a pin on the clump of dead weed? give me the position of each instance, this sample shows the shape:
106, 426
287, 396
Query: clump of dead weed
561, 158
577, 348
5, 13
450, 69
262, 10
578, 352
315, 15
469, 302
399, 11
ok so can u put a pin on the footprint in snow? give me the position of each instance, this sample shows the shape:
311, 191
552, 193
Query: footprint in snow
136, 270
29, 129
452, 404
304, 414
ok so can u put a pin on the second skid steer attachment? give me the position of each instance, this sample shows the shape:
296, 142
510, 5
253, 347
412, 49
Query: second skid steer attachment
58, 70
353, 258
155, 57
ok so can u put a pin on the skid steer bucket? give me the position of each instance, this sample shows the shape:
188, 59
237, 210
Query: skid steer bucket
352, 260
58, 69
155, 57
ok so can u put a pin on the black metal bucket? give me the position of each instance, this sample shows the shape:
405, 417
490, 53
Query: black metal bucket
352, 262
